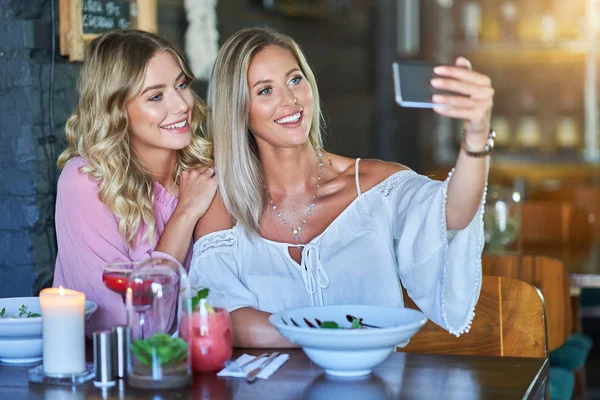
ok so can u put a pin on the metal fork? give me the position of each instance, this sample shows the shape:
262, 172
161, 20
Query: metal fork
240, 367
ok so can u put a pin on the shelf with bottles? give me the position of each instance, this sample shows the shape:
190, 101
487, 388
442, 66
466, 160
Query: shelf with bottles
508, 28
565, 52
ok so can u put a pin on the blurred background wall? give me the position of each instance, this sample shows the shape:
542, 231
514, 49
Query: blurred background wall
537, 52
350, 50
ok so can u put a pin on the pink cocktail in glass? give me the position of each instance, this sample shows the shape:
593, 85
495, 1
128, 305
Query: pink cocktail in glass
115, 277
211, 342
116, 281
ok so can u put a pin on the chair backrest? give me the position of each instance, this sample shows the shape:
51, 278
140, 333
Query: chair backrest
509, 321
546, 222
582, 196
547, 274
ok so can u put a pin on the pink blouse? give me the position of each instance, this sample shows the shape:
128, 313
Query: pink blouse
88, 238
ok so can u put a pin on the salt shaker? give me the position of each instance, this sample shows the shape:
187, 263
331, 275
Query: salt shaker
103, 359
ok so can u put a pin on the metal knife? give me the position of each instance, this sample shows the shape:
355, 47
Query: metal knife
251, 377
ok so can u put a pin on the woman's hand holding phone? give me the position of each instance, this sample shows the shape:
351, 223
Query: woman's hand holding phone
471, 99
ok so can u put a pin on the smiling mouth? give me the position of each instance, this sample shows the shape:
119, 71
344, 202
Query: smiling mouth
289, 118
176, 125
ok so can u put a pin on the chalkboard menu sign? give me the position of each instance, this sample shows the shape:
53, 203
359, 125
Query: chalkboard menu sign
83, 20
99, 16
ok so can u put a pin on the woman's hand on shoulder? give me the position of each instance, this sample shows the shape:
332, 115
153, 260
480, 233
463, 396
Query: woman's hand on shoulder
373, 172
216, 218
197, 189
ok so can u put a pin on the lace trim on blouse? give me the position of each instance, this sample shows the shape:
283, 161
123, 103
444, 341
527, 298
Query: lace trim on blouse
465, 328
388, 185
215, 240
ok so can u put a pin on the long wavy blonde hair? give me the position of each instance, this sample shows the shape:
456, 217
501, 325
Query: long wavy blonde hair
241, 176
112, 74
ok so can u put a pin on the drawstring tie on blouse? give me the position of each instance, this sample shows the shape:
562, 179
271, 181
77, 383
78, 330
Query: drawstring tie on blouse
314, 276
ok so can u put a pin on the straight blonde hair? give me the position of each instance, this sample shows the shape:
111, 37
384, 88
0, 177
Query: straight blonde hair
241, 177
112, 74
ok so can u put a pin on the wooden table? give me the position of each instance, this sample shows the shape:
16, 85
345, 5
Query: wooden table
403, 375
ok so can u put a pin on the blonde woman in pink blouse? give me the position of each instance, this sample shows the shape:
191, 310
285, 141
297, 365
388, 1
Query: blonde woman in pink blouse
136, 171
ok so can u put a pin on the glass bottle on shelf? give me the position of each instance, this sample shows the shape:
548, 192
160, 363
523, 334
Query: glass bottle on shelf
490, 27
570, 19
529, 132
510, 13
567, 132
529, 29
471, 21
548, 29
501, 126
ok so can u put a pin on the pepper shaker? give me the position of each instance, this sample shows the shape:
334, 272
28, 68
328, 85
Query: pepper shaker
121, 341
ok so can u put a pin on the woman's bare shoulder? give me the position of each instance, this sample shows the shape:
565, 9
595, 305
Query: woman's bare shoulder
373, 172
216, 218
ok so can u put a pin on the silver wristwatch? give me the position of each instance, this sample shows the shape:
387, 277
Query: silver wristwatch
487, 150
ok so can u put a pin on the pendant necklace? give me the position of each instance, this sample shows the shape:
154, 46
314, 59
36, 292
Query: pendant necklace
296, 229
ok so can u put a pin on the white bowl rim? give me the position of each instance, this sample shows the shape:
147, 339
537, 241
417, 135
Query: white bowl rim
32, 320
18, 320
275, 320
93, 307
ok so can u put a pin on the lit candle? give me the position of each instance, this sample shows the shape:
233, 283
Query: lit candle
63, 312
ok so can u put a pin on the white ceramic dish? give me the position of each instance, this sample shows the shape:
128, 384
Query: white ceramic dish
27, 327
349, 352
19, 351
21, 338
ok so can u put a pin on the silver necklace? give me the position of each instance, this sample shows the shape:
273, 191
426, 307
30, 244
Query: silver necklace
296, 230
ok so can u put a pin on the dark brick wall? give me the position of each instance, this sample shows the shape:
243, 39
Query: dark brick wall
28, 137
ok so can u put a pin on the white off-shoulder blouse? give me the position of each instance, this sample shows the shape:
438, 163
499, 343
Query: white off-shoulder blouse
391, 235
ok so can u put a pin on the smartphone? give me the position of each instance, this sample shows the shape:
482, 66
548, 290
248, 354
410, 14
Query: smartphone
412, 86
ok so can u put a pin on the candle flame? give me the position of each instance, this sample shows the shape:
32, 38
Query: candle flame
61, 290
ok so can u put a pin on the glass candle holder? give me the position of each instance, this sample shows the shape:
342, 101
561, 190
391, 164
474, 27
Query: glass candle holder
502, 220
159, 358
208, 330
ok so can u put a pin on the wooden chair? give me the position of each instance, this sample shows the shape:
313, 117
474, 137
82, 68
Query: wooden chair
549, 222
509, 321
547, 274
550, 276
583, 196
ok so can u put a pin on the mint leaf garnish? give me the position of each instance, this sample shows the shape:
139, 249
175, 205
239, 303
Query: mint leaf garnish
202, 294
22, 310
329, 325
356, 323
3, 312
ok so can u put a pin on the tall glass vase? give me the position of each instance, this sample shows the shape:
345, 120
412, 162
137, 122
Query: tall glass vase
157, 293
502, 220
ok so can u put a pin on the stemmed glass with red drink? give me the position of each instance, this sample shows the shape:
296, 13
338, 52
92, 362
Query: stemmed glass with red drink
151, 284
152, 288
115, 276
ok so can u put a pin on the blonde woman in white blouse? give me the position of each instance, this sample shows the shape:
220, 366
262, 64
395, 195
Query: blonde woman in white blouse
296, 226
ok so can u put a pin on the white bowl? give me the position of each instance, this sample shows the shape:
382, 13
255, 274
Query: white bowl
349, 352
27, 327
21, 338
18, 351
